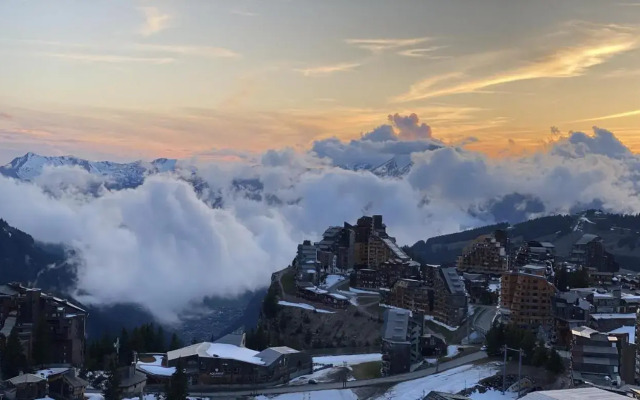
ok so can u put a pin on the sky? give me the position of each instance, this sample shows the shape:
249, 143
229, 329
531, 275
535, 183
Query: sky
124, 80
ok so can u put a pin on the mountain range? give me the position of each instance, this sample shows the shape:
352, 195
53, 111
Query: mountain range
129, 175
116, 175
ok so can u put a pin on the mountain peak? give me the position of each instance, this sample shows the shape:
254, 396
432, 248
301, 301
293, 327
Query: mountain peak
118, 175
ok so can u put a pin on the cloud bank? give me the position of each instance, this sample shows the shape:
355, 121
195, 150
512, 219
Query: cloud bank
163, 237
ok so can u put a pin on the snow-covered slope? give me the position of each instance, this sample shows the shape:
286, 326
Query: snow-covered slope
121, 175
391, 169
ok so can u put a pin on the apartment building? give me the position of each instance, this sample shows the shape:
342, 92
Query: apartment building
401, 335
525, 298
24, 308
411, 294
535, 252
589, 252
450, 298
487, 254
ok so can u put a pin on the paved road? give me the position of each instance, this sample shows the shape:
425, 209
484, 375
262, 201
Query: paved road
466, 359
483, 318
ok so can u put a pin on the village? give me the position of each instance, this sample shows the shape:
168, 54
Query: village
355, 306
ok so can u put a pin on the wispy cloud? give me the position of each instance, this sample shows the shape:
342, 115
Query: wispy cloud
155, 21
244, 13
380, 45
187, 50
109, 58
612, 116
622, 73
423, 53
327, 69
560, 63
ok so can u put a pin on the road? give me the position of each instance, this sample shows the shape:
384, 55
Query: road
466, 359
483, 318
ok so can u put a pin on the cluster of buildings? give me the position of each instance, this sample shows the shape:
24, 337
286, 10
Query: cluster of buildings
22, 309
227, 361
374, 261
364, 249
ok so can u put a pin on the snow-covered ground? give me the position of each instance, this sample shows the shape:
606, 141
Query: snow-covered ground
360, 291
350, 359
450, 328
494, 287
345, 394
451, 381
332, 280
305, 306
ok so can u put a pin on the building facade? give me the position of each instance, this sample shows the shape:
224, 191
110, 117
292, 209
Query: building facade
485, 255
525, 299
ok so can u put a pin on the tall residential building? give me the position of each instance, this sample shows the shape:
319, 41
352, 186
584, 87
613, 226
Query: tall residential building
24, 308
450, 298
444, 298
487, 254
525, 298
400, 341
589, 252
535, 252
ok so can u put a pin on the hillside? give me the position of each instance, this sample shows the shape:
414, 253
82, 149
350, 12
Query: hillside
621, 235
25, 260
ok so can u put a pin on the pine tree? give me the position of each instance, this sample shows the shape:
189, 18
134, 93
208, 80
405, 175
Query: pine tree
160, 343
178, 386
13, 358
126, 352
554, 363
112, 390
175, 342
41, 343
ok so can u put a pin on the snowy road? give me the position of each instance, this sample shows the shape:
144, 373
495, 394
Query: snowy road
466, 359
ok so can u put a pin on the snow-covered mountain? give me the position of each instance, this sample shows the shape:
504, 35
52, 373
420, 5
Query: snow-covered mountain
116, 175
390, 169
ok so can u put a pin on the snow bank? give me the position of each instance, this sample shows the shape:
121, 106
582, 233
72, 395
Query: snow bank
305, 306
350, 359
450, 328
451, 381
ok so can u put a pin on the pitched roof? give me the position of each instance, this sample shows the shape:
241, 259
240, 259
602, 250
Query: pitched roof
396, 323
452, 280
25, 378
587, 238
590, 393
216, 350
272, 354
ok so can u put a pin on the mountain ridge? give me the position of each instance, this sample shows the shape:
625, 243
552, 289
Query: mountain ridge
620, 233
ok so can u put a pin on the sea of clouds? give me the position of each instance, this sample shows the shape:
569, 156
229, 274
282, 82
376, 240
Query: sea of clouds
165, 246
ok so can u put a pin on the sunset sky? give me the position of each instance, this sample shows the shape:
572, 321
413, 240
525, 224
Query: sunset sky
125, 79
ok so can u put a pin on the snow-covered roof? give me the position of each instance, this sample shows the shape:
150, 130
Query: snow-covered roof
613, 316
395, 249
630, 330
216, 350
45, 373
338, 296
590, 393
